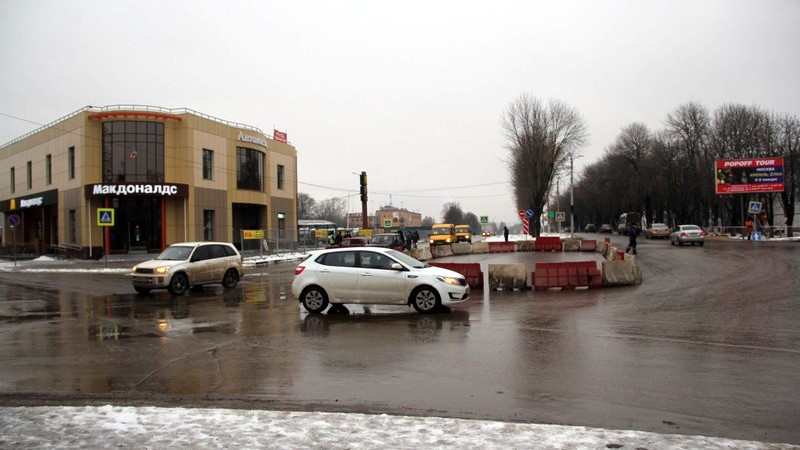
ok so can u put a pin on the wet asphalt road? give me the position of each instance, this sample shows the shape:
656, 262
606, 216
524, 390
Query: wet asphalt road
709, 344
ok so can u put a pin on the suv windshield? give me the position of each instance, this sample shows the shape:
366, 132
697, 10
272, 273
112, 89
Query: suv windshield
177, 253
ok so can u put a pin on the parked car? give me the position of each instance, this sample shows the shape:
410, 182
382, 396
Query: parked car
387, 240
606, 228
351, 242
187, 264
373, 275
657, 230
590, 228
687, 234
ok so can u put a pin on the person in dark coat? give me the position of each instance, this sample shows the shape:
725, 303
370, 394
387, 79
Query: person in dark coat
505, 233
633, 231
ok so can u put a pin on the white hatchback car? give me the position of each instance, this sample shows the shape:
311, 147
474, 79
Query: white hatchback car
187, 264
374, 275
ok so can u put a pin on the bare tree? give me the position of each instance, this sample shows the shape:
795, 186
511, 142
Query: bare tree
452, 213
305, 206
332, 209
540, 139
788, 137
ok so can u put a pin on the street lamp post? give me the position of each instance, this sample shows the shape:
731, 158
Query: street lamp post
571, 199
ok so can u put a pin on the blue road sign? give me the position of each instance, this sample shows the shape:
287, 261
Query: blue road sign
529, 213
13, 220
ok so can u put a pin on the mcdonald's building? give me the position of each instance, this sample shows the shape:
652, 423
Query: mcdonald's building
127, 178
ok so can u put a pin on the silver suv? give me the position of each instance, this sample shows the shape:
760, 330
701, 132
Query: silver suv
188, 264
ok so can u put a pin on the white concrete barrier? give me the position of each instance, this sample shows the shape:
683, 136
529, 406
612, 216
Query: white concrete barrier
508, 276
421, 254
461, 248
571, 244
441, 251
621, 272
480, 247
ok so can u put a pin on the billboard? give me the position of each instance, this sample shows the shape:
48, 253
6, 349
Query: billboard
746, 176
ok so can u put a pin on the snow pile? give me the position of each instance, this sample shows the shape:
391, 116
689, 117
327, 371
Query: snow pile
151, 427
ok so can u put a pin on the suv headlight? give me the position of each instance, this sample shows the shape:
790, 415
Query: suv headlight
448, 280
162, 269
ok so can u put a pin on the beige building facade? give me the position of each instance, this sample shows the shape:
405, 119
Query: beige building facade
126, 178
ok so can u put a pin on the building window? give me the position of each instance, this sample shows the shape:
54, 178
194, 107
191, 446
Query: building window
73, 226
48, 169
208, 224
280, 176
208, 164
29, 172
71, 163
12, 176
133, 152
249, 169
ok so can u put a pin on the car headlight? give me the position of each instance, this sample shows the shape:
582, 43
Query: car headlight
448, 280
162, 269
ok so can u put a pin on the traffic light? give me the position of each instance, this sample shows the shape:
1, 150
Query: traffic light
363, 182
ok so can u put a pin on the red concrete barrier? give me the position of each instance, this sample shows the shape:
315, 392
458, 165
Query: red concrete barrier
608, 240
471, 271
501, 247
547, 243
619, 256
588, 245
566, 275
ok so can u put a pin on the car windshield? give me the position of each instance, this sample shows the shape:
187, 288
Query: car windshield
440, 231
405, 259
176, 253
462, 230
384, 238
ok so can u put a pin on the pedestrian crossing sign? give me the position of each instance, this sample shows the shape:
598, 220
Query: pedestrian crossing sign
105, 217
560, 216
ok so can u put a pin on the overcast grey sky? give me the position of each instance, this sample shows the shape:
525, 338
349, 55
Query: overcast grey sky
411, 92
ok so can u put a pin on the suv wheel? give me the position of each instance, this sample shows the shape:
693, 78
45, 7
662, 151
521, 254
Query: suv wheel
314, 299
230, 279
178, 284
425, 300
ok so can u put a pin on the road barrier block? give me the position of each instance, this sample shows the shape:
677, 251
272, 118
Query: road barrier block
547, 243
566, 275
501, 247
571, 244
441, 251
480, 247
461, 248
421, 254
525, 246
621, 273
588, 245
508, 276
471, 271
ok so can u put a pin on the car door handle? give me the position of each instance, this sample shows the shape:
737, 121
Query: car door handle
413, 276
366, 274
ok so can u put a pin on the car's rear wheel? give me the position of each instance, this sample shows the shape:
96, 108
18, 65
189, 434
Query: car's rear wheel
425, 300
178, 284
230, 279
314, 299
142, 290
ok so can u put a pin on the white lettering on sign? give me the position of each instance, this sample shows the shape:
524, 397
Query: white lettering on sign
134, 189
252, 139
31, 202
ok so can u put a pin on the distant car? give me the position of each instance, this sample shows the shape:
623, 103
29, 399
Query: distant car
351, 242
687, 234
590, 228
387, 240
187, 264
486, 234
373, 275
606, 228
657, 230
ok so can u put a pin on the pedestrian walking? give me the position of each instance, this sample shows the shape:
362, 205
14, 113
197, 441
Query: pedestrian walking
633, 231
505, 233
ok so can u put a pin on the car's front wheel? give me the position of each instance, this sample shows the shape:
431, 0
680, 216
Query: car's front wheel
230, 279
314, 299
178, 284
425, 300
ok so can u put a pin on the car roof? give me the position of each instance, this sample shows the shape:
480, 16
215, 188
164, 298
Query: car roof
353, 249
196, 243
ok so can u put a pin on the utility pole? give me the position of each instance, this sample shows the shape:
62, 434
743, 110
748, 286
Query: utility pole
571, 199
363, 181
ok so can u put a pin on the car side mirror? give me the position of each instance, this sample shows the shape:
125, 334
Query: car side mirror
397, 266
